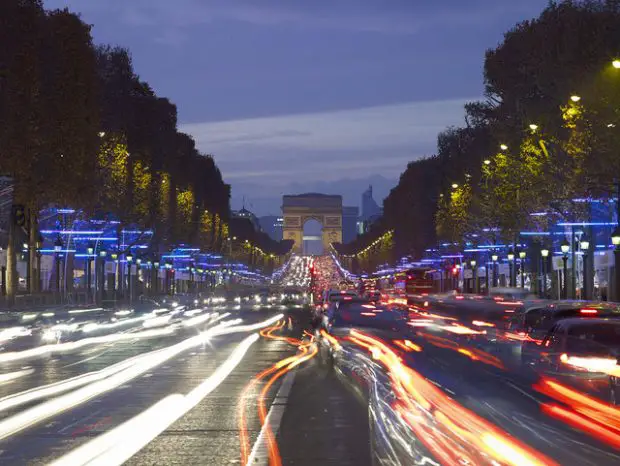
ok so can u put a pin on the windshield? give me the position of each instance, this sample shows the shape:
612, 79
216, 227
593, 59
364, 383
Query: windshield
594, 339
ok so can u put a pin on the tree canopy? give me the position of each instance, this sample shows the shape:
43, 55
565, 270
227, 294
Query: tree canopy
545, 134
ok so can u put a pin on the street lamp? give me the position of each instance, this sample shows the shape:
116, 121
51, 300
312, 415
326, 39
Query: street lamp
522, 255
129, 259
473, 273
616, 64
494, 259
544, 253
565, 247
487, 162
454, 185
89, 252
533, 127
615, 239
511, 267
57, 250
575, 98
584, 245
503, 147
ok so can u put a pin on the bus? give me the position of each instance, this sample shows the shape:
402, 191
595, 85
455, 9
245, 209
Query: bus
404, 285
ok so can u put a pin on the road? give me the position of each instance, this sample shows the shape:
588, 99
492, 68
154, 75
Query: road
314, 417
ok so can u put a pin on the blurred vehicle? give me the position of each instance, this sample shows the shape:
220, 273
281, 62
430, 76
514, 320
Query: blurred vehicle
532, 322
361, 313
512, 294
582, 352
332, 296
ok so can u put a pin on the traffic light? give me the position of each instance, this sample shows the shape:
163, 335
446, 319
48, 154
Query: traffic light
19, 215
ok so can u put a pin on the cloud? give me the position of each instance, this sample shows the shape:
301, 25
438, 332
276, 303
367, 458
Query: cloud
326, 145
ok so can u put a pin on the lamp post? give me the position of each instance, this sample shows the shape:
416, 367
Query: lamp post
565, 247
494, 258
113, 280
28, 268
511, 268
129, 259
168, 278
473, 274
89, 253
544, 254
584, 245
522, 255
138, 283
100, 275
38, 277
58, 252
155, 284
615, 239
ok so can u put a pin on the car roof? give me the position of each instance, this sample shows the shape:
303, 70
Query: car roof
577, 321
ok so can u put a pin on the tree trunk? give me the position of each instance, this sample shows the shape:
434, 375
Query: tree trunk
32, 251
11, 264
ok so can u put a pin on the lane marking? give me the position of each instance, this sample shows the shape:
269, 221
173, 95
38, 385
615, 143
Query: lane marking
84, 419
259, 455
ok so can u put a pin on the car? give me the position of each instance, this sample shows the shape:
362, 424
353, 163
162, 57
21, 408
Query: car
362, 313
582, 352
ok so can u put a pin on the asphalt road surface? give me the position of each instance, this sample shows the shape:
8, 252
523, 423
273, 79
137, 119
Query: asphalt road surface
315, 419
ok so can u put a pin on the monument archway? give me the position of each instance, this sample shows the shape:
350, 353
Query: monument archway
324, 208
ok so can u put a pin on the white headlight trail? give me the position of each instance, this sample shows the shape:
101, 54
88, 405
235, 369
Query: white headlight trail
118, 445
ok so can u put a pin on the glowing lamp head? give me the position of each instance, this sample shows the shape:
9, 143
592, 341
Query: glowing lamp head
575, 98
616, 64
503, 147
511, 256
102, 254
544, 252
494, 257
454, 185
615, 237
522, 254
472, 263
533, 127
584, 244
565, 247
129, 258
487, 162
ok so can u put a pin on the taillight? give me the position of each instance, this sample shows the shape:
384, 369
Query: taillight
588, 311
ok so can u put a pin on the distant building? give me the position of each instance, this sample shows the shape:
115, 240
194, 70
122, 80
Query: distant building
349, 223
370, 208
272, 225
244, 213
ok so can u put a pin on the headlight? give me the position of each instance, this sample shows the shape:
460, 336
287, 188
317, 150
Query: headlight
237, 299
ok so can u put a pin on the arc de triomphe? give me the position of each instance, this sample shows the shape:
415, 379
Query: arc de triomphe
325, 208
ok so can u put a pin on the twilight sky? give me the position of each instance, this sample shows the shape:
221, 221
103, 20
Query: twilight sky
303, 95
